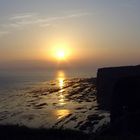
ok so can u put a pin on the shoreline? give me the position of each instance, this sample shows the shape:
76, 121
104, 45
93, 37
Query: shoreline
67, 104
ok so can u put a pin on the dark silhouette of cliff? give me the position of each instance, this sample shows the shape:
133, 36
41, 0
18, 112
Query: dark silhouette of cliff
118, 91
107, 79
125, 105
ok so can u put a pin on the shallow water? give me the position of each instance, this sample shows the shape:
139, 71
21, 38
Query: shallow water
61, 103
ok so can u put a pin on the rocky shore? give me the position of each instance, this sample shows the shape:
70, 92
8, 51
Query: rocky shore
60, 104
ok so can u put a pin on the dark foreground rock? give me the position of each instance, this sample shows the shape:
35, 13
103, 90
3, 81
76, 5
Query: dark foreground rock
107, 79
10, 132
118, 90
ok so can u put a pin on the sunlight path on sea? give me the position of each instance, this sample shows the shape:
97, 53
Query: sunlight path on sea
61, 113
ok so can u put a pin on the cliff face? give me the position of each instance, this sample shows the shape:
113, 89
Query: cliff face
107, 79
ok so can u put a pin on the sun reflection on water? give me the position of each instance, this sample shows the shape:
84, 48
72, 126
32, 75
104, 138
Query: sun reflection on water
61, 83
61, 113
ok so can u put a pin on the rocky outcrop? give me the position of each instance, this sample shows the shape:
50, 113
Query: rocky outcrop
107, 78
125, 102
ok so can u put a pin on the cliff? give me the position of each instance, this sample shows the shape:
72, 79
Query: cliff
107, 79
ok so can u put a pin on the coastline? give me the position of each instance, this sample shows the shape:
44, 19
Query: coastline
62, 104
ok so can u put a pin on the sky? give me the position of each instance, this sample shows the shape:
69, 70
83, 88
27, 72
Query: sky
95, 33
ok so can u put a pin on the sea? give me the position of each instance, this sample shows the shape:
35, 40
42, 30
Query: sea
51, 99
14, 80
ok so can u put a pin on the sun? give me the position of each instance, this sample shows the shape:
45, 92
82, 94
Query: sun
61, 54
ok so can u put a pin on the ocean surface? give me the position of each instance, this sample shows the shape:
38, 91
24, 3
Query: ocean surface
14, 80
55, 99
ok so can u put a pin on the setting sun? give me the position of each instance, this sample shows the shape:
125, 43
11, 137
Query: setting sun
60, 51
61, 54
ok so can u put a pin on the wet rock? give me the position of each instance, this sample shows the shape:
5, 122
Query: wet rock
40, 106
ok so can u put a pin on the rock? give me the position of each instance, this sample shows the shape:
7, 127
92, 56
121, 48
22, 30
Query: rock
126, 98
107, 79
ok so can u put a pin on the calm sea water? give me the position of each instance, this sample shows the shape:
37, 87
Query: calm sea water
15, 80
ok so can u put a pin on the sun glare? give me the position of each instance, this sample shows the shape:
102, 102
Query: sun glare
60, 51
61, 54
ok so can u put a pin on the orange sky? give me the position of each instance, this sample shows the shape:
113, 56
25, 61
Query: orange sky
91, 33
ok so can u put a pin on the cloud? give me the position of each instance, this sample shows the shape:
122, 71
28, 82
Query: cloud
2, 33
64, 17
45, 25
48, 21
20, 21
21, 16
